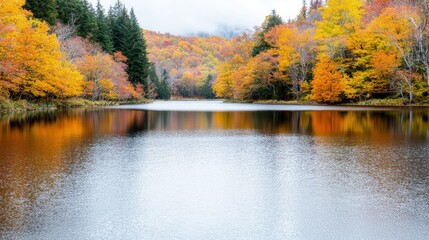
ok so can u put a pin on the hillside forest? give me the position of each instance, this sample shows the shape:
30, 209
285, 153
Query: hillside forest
333, 52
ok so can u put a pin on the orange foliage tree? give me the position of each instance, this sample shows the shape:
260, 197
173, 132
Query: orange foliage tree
327, 86
32, 65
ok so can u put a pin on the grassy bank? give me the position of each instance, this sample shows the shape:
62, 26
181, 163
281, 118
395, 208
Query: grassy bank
8, 105
276, 102
387, 102
372, 102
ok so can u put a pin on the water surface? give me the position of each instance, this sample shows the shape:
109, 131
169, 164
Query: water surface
329, 173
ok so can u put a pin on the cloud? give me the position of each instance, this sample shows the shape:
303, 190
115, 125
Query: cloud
193, 16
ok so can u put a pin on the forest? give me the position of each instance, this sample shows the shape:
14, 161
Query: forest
59, 49
333, 52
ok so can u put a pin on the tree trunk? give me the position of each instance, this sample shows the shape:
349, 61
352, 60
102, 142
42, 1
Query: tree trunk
411, 94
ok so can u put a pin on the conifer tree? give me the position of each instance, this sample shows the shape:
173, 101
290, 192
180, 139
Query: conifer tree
43, 9
103, 35
207, 89
271, 21
68, 11
80, 14
128, 38
153, 76
164, 91
304, 11
119, 24
86, 23
135, 51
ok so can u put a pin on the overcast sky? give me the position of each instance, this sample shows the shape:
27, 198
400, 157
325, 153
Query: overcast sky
193, 16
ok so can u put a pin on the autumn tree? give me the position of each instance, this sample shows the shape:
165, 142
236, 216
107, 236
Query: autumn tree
267, 81
418, 16
232, 71
339, 20
327, 81
224, 84
296, 51
106, 77
395, 28
35, 67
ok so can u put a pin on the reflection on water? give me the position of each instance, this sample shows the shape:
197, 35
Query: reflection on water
108, 174
78, 123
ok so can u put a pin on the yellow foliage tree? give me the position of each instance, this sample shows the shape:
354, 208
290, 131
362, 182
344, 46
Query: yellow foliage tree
340, 19
38, 67
296, 51
107, 90
398, 32
224, 84
234, 72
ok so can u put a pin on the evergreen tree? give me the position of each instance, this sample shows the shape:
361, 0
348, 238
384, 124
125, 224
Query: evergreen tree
43, 9
304, 11
86, 21
128, 38
68, 11
162, 87
120, 25
80, 14
164, 91
103, 35
271, 21
135, 51
207, 89
153, 76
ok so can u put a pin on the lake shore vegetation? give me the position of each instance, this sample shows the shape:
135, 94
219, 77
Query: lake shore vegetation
334, 52
372, 52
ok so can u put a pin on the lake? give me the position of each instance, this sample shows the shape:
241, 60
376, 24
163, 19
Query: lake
213, 170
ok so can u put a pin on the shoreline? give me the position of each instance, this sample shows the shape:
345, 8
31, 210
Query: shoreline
370, 103
19, 106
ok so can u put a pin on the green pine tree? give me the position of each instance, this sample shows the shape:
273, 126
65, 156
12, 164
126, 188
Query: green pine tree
271, 21
136, 52
120, 23
43, 9
80, 14
206, 89
68, 11
103, 35
164, 86
86, 21
153, 75
128, 38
